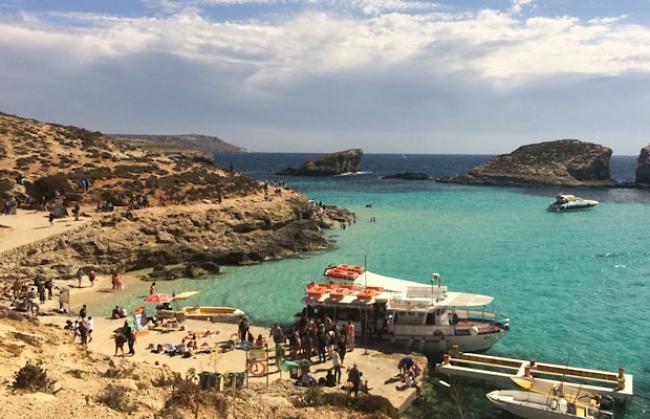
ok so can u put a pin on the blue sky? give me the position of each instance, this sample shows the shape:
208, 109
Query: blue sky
401, 76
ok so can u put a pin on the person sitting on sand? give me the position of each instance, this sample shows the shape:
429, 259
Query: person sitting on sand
116, 314
307, 378
251, 340
260, 342
354, 380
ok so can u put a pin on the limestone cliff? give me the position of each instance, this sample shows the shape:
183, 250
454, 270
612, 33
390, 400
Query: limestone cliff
348, 161
561, 163
643, 169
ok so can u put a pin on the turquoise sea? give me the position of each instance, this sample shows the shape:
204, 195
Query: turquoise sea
576, 286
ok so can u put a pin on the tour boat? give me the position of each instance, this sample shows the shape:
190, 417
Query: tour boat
215, 314
571, 202
531, 405
410, 315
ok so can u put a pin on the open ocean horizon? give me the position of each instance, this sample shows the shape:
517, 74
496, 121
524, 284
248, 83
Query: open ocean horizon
575, 286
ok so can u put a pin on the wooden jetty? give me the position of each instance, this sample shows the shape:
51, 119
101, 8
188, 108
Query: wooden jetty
539, 377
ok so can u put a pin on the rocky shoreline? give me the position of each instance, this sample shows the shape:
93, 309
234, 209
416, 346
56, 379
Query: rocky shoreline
203, 237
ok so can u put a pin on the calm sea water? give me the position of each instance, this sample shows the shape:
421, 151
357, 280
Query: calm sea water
576, 286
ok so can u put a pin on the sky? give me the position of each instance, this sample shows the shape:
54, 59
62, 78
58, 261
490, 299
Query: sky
389, 76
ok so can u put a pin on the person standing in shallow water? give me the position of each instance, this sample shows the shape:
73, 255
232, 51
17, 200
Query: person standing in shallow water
80, 276
92, 275
152, 289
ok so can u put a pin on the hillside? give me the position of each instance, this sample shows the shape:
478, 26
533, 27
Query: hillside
204, 143
117, 170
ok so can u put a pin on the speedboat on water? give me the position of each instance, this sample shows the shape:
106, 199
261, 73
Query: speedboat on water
423, 317
529, 405
570, 202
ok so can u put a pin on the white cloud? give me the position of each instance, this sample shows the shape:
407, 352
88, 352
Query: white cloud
499, 48
518, 5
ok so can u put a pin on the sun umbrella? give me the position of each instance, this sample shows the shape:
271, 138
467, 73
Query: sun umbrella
158, 298
185, 295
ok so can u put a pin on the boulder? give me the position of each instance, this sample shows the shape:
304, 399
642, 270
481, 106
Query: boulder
348, 161
643, 168
557, 163
408, 176
164, 237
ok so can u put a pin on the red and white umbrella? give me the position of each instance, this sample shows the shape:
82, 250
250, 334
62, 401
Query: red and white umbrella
158, 298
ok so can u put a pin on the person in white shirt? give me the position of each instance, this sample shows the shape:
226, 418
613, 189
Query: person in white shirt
337, 364
90, 324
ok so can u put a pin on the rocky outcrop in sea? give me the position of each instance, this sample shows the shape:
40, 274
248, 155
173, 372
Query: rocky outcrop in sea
643, 169
408, 176
558, 163
348, 161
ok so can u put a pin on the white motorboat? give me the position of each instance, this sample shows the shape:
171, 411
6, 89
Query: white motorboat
531, 405
410, 315
571, 202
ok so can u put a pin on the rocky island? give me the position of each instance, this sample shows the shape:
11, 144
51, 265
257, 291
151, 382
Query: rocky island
643, 168
348, 161
141, 206
558, 163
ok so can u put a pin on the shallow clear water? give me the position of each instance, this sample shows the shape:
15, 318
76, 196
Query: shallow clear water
576, 286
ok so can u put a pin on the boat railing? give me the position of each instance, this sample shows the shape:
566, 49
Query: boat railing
476, 314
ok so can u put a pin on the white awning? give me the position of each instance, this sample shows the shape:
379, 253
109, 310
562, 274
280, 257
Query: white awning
463, 299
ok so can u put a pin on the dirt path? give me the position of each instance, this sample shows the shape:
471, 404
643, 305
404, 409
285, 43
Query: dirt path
30, 226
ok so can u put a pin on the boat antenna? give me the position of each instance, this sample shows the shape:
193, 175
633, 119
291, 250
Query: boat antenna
365, 271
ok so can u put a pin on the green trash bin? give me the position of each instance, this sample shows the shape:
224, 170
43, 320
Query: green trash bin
204, 380
240, 378
215, 381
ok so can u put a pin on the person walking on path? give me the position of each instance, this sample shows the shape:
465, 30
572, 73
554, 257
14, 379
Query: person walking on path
51, 218
80, 276
83, 312
92, 275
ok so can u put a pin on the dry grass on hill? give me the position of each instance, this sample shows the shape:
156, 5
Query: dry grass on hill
66, 155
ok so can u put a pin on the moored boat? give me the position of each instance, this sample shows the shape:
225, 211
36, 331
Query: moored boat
567, 202
407, 314
531, 405
215, 314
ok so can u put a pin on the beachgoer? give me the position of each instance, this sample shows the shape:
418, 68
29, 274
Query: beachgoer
276, 332
83, 312
41, 293
351, 335
75, 330
120, 340
116, 313
260, 341
404, 365
92, 275
48, 286
80, 276
90, 325
130, 340
354, 380
152, 289
337, 364
83, 333
51, 218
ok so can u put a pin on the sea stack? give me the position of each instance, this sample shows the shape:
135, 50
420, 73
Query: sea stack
348, 161
557, 163
643, 169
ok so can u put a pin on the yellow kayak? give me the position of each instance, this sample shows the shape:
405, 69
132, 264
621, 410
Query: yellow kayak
215, 314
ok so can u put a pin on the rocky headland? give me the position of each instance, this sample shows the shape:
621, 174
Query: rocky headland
348, 161
558, 163
407, 176
206, 143
195, 213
